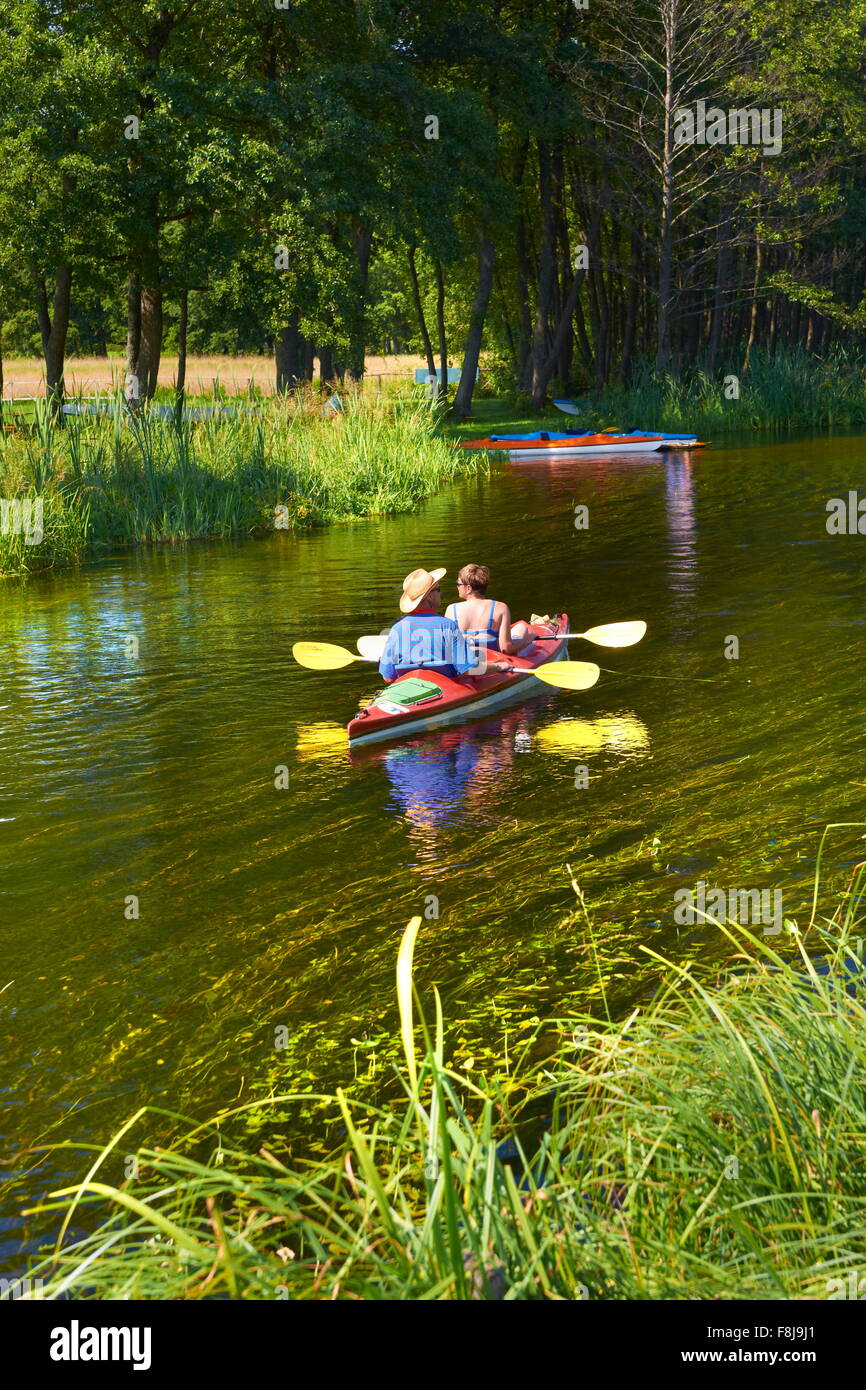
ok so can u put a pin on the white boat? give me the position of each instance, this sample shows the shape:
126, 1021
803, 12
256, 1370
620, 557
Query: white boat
546, 444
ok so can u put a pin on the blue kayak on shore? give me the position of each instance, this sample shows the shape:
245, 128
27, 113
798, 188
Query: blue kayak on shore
552, 435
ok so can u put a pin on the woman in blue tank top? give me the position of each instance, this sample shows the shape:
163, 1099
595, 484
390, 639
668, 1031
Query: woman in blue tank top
480, 616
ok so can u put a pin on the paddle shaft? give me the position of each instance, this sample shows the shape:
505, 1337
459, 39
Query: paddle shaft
614, 635
566, 637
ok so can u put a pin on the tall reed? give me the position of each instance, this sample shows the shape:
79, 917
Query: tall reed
118, 478
709, 1146
788, 390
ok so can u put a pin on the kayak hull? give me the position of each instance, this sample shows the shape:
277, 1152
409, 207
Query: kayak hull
530, 446
466, 697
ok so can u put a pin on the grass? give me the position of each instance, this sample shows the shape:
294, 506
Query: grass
790, 390
108, 481
708, 1146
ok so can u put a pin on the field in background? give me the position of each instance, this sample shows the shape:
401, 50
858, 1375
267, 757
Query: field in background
89, 375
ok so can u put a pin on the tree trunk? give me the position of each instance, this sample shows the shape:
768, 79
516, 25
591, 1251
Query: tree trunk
503, 313
326, 365
598, 297
542, 376
545, 370
547, 271
143, 331
150, 347
440, 328
306, 358
583, 336
53, 328
286, 346
419, 310
181, 347
463, 400
631, 312
663, 321
753, 308
524, 273
362, 239
722, 257
133, 332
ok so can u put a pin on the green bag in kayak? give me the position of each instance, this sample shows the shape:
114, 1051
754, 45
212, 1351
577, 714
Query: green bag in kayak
411, 691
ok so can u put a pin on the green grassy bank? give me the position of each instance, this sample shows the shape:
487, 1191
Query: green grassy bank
108, 481
787, 391
708, 1146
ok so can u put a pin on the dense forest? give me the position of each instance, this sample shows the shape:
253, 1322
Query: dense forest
568, 186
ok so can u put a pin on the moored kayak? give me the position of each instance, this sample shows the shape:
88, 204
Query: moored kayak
546, 442
466, 697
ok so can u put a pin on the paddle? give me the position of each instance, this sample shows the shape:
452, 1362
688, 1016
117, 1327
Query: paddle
323, 656
609, 635
568, 675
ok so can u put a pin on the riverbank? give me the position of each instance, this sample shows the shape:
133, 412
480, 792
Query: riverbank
706, 1147
789, 391
106, 482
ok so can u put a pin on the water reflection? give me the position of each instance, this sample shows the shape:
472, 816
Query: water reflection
465, 773
321, 740
682, 530
621, 733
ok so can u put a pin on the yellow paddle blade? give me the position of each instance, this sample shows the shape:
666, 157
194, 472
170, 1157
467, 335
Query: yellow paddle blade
321, 741
371, 648
568, 675
322, 656
615, 634
623, 733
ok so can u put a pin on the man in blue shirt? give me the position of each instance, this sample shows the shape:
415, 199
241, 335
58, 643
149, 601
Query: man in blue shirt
424, 638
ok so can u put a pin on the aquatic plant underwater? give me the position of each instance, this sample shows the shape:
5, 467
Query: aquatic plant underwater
708, 1146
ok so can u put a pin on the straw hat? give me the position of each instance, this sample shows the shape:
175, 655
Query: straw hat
416, 586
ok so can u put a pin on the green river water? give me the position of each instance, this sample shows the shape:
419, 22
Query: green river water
264, 908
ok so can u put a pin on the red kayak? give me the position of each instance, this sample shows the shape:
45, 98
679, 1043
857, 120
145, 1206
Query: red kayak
456, 699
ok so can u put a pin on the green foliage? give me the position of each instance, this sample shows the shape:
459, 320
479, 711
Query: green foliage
281, 170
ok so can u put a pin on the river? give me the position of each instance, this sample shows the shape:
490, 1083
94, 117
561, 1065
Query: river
167, 910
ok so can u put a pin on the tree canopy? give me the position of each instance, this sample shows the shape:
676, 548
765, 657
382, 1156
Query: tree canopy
566, 186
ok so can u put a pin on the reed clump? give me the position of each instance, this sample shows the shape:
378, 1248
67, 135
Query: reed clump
709, 1146
119, 478
787, 390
